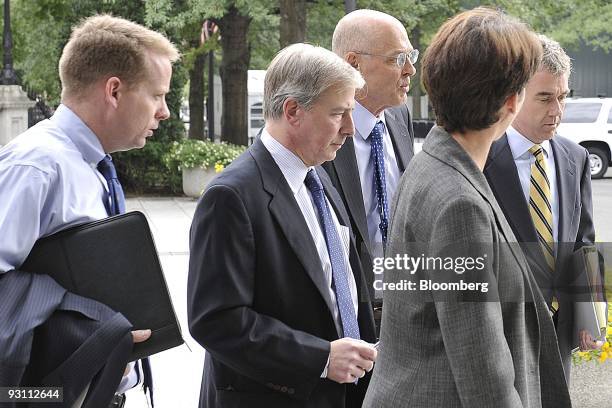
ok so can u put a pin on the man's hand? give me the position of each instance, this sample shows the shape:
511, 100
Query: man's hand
586, 343
350, 359
138, 336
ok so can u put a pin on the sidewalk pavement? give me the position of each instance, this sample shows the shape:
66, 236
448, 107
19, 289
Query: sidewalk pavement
178, 372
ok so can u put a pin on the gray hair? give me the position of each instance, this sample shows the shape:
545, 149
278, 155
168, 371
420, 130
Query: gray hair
554, 58
356, 30
304, 72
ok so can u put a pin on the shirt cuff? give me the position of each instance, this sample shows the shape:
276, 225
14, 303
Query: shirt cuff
324, 373
130, 380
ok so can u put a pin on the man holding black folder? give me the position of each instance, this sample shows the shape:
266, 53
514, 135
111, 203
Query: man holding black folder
115, 75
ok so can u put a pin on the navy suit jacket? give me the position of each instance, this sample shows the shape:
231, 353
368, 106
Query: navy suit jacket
94, 346
257, 298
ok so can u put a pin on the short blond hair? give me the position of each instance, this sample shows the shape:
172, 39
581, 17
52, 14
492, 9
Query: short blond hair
104, 45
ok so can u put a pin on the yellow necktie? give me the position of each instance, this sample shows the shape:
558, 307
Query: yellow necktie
540, 209
540, 204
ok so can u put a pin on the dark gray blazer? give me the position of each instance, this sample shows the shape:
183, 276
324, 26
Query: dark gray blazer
344, 174
437, 353
257, 299
575, 223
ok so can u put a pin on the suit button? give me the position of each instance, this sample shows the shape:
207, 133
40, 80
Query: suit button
283, 389
277, 387
269, 385
290, 391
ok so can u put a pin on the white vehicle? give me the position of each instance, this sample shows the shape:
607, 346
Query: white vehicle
588, 122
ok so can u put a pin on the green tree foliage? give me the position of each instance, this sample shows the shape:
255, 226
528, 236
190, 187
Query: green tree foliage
235, 18
574, 23
41, 28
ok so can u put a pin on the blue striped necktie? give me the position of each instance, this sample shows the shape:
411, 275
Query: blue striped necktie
377, 155
340, 271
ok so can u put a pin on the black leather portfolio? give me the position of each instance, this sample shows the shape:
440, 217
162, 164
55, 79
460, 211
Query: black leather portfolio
113, 261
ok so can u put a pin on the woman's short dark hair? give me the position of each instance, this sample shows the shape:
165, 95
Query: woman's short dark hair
476, 60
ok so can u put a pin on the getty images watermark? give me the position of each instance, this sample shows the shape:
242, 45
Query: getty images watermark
428, 265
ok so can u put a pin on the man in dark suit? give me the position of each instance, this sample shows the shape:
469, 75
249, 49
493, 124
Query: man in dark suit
553, 217
273, 272
366, 171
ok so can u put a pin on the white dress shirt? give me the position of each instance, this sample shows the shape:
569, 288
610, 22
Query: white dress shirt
294, 170
364, 124
48, 182
520, 145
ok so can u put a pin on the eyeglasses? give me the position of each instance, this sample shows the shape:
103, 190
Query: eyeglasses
400, 59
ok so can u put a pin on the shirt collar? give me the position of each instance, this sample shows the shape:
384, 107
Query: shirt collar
292, 167
79, 133
520, 145
365, 121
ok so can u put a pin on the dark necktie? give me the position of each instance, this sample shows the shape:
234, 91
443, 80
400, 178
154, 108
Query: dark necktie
340, 282
380, 185
115, 204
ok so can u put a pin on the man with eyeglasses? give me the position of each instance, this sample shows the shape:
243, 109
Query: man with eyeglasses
377, 45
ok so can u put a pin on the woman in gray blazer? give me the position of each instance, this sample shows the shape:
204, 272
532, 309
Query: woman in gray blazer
471, 330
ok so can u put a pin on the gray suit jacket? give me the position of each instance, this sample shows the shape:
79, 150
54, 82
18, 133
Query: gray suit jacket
458, 353
575, 223
344, 174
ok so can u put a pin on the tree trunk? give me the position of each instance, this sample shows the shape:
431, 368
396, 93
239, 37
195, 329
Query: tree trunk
196, 98
415, 81
292, 21
350, 5
234, 67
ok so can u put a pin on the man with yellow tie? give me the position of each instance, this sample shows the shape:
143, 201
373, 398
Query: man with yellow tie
542, 182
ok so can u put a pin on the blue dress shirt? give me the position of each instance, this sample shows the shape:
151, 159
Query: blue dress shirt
49, 182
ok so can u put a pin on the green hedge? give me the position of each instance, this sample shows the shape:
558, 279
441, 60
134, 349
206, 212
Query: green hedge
142, 171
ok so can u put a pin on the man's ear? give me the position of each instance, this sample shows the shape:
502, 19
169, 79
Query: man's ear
113, 88
514, 102
351, 58
292, 111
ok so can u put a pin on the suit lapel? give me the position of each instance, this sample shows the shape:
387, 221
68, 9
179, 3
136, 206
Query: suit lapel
348, 174
398, 131
566, 189
503, 178
441, 145
565, 168
343, 217
287, 213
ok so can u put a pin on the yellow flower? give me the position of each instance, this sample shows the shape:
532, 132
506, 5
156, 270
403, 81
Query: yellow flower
605, 347
219, 168
603, 357
609, 330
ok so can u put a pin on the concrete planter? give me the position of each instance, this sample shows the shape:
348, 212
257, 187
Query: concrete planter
195, 181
